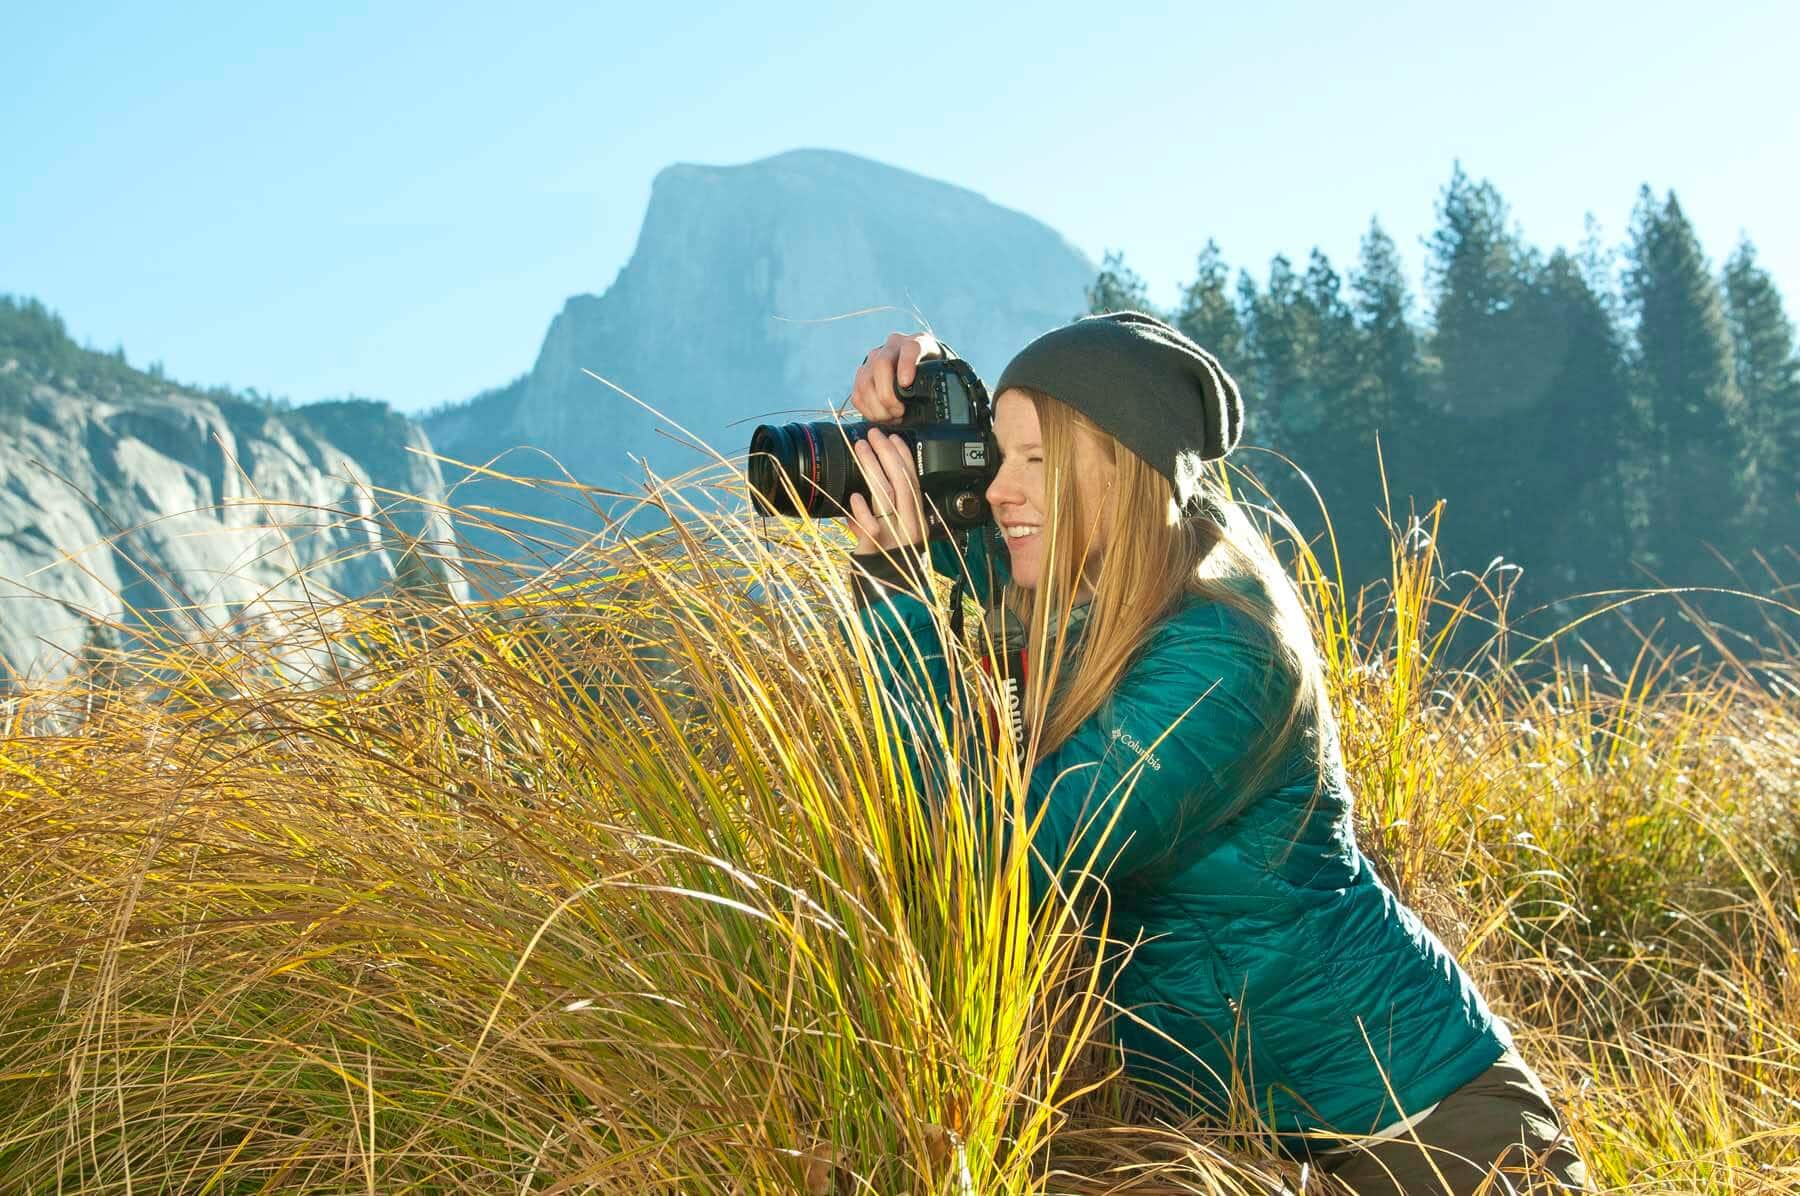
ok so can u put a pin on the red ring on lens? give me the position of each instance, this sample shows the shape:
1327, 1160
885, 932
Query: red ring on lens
813, 469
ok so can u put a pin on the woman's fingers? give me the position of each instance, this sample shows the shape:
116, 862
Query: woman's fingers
883, 359
874, 396
901, 492
896, 459
891, 354
906, 366
889, 366
862, 396
873, 533
913, 349
864, 524
874, 472
893, 486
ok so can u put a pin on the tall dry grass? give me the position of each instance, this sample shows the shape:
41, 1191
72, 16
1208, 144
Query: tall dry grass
609, 879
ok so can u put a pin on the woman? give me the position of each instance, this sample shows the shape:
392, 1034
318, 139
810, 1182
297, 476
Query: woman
1183, 748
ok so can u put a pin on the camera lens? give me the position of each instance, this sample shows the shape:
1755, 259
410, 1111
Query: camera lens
804, 469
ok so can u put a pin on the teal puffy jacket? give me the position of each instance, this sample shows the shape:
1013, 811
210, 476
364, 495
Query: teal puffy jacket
1271, 951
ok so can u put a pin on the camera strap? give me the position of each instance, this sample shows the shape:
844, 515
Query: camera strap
1007, 666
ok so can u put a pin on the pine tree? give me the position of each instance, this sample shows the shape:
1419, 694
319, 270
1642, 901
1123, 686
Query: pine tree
1208, 315
1335, 443
1383, 312
1277, 349
1475, 267
1491, 371
1707, 487
1387, 413
1599, 266
1118, 288
1767, 373
1590, 521
1334, 367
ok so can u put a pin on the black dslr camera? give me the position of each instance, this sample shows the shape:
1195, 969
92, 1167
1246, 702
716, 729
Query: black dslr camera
947, 421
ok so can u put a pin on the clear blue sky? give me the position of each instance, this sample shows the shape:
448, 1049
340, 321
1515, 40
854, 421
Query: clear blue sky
394, 199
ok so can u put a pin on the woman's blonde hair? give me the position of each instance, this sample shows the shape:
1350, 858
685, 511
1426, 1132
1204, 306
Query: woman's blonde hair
1157, 555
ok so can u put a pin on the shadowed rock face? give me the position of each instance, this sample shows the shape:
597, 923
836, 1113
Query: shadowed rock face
718, 320
227, 502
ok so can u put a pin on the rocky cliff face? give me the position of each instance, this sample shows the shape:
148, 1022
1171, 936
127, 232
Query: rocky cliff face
122, 493
752, 295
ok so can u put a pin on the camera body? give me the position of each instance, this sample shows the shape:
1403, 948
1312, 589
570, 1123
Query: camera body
947, 423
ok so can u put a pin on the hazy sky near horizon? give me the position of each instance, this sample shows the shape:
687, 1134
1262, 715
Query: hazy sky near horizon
393, 200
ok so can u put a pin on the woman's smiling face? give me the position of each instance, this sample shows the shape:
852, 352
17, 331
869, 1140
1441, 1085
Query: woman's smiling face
1017, 493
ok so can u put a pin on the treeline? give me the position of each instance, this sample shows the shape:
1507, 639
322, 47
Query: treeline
1603, 418
35, 347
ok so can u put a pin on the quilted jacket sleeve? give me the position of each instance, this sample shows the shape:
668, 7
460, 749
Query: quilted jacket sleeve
1153, 773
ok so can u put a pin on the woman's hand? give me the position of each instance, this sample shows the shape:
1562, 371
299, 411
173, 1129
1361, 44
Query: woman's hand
891, 516
887, 365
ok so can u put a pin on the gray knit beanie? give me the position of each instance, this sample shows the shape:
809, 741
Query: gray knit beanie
1159, 393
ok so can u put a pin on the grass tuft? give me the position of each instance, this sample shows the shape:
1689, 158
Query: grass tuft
608, 878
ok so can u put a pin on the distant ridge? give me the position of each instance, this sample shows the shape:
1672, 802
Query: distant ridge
732, 307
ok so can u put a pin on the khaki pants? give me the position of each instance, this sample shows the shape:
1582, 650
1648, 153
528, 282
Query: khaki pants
1497, 1130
